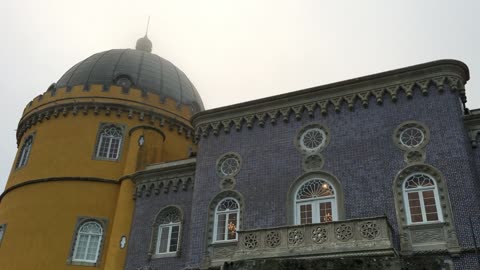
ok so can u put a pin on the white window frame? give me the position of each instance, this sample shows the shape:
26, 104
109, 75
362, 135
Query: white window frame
77, 238
227, 213
159, 237
103, 137
420, 191
25, 152
315, 202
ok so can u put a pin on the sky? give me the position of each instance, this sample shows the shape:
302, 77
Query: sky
232, 51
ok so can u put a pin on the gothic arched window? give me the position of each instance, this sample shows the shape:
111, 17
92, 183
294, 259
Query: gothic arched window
226, 223
25, 152
169, 224
421, 200
87, 242
109, 142
315, 202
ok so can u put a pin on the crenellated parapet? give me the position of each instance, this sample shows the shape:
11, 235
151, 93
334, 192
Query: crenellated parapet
113, 102
441, 76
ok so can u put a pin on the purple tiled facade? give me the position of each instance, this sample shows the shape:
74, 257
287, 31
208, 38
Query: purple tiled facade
361, 154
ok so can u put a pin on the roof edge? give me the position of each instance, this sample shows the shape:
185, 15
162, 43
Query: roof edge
426, 70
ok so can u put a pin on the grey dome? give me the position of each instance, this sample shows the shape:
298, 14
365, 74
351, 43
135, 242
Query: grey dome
125, 67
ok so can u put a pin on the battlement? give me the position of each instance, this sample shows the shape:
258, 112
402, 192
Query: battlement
113, 93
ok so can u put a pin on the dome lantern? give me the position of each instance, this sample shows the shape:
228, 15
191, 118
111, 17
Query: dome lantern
144, 44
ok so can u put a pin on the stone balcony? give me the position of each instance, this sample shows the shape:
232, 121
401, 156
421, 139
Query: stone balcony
357, 237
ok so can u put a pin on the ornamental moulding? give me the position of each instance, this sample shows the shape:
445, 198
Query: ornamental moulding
158, 185
443, 74
165, 177
108, 109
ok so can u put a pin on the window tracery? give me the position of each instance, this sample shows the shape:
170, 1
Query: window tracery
169, 224
109, 142
25, 152
87, 243
226, 220
315, 202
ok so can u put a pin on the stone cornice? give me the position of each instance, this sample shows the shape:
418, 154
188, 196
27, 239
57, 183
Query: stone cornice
442, 74
165, 177
76, 109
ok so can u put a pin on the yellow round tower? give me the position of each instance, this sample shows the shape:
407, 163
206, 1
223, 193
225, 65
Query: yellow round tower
68, 201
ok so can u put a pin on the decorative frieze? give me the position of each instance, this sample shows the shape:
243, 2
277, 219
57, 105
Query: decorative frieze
271, 111
39, 116
163, 178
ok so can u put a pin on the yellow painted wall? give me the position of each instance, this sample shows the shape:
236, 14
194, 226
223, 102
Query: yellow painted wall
41, 217
41, 220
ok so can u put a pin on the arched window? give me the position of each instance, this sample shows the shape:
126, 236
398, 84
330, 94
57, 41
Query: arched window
168, 238
315, 202
421, 199
227, 215
87, 243
25, 152
109, 142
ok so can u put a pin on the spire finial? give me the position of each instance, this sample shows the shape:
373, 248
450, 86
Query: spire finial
144, 44
148, 24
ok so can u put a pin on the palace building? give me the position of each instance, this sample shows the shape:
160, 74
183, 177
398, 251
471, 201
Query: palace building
120, 167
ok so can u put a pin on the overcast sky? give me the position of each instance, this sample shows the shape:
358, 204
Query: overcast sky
232, 51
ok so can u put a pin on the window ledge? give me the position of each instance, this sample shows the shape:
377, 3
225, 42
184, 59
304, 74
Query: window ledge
224, 243
93, 264
427, 225
165, 255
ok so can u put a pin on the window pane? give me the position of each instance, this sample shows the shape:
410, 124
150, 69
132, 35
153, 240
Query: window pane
81, 247
306, 214
162, 248
174, 238
232, 226
415, 208
221, 220
430, 206
103, 148
93, 247
326, 212
115, 142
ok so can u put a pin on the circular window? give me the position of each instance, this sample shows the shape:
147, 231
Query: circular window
228, 165
311, 138
412, 137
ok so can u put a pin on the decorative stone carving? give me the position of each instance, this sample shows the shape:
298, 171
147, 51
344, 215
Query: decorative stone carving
411, 135
295, 237
227, 183
414, 156
318, 240
369, 230
319, 235
96, 107
250, 241
344, 232
297, 106
428, 235
313, 162
273, 239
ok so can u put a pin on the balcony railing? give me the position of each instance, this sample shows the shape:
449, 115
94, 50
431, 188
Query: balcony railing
366, 237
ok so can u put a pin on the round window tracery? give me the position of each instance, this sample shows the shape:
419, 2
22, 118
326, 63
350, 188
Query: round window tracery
228, 165
312, 138
315, 188
412, 137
